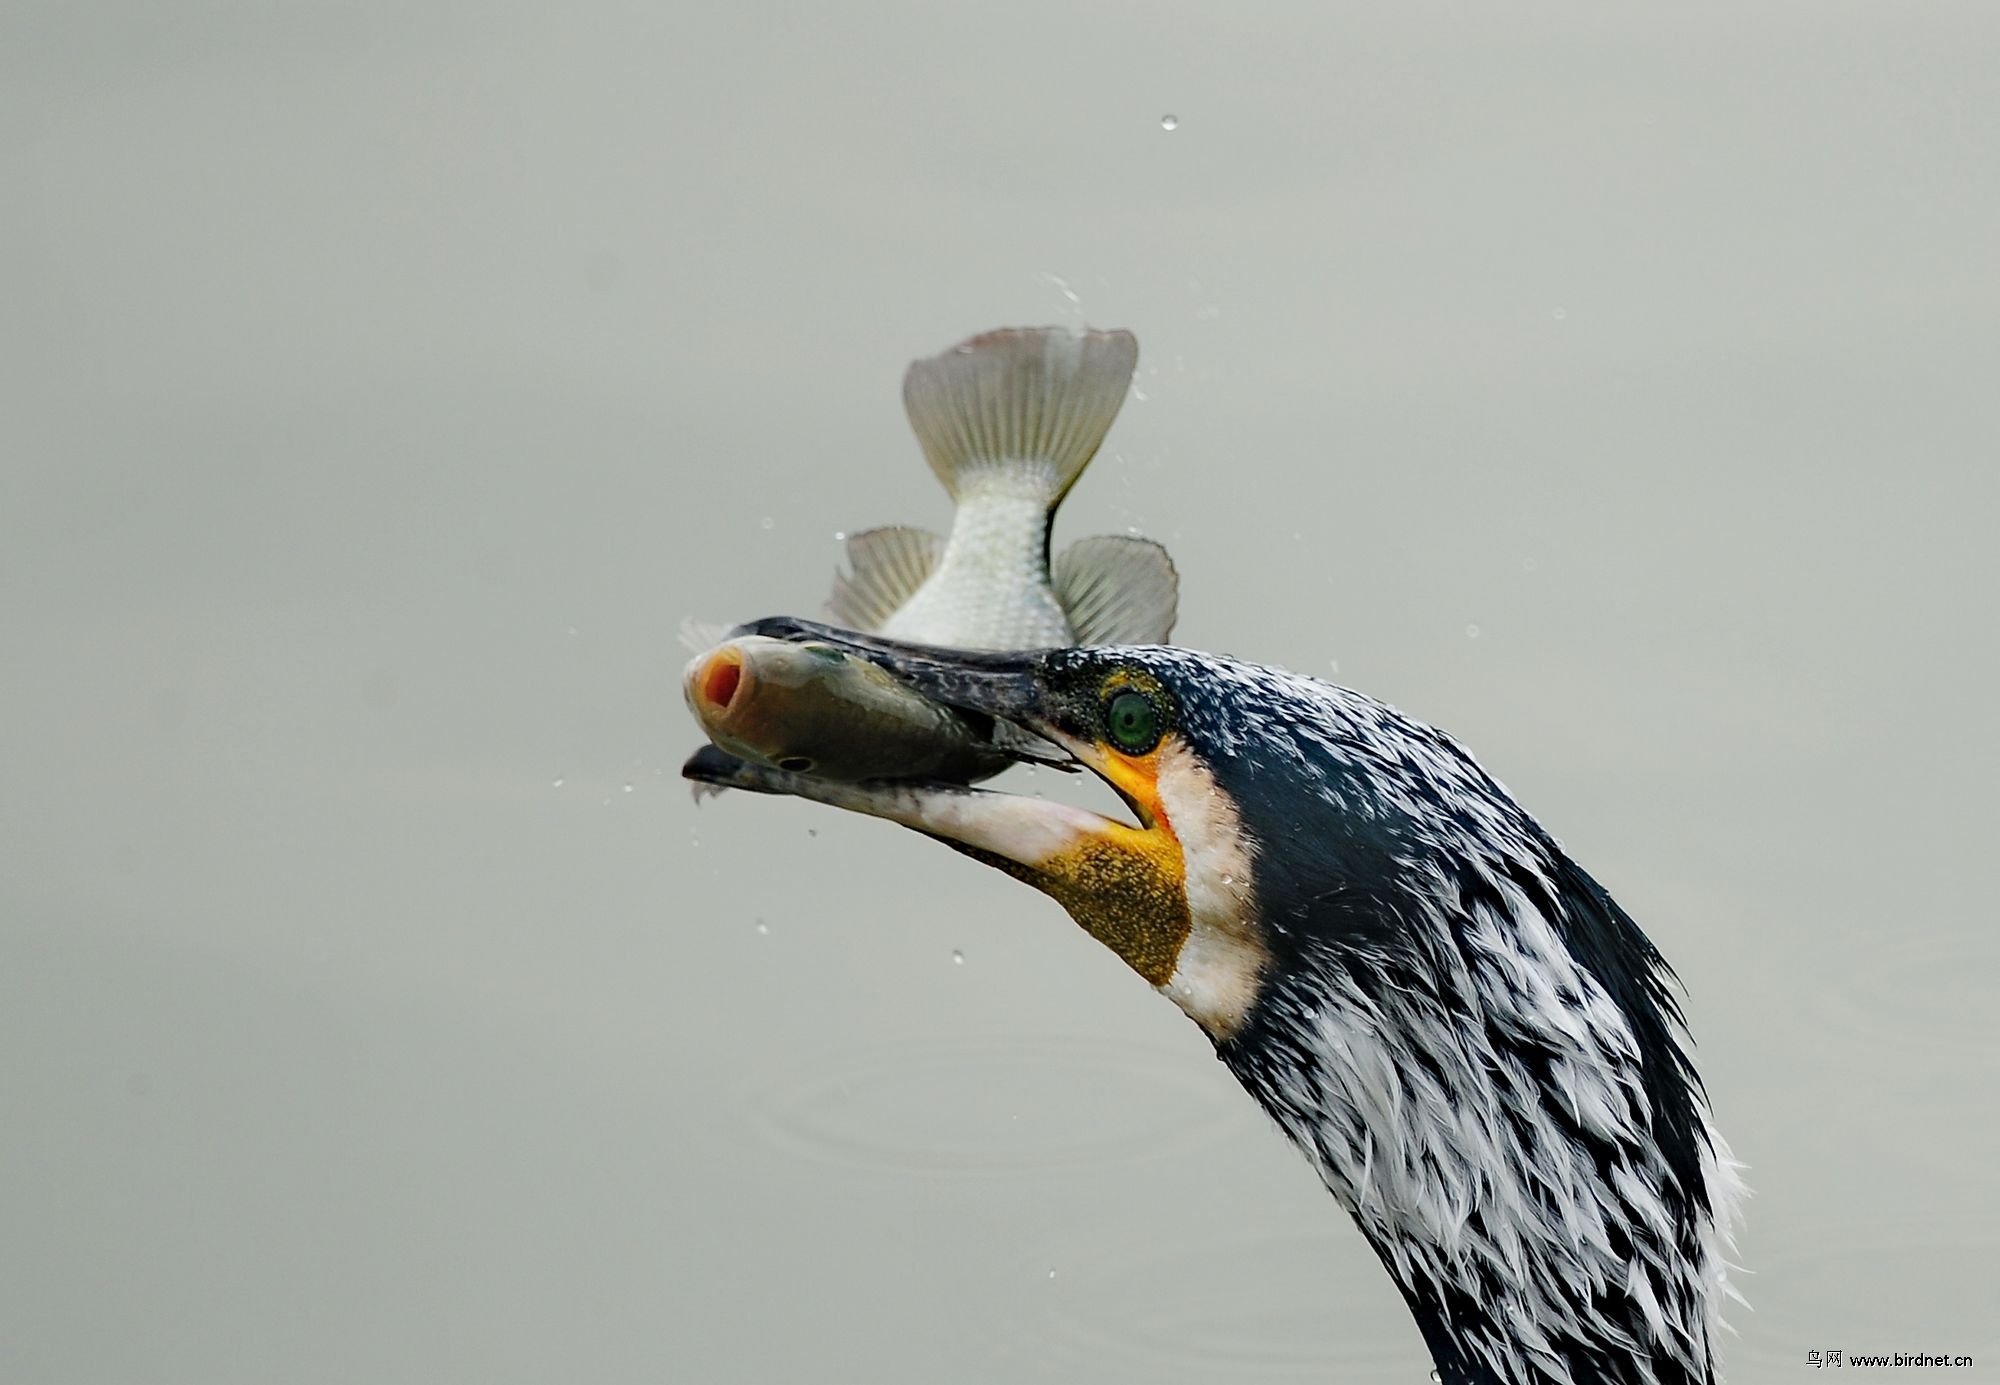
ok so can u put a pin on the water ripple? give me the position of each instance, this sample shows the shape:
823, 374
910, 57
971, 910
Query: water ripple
983, 1105
1245, 1308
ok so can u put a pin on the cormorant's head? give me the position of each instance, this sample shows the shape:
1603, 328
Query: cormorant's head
1171, 890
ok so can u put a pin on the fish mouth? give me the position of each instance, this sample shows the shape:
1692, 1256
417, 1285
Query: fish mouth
719, 686
714, 679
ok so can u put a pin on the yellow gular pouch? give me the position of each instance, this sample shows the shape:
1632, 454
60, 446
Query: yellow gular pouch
1126, 886
1127, 892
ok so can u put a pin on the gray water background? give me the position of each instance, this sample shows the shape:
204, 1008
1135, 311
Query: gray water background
381, 385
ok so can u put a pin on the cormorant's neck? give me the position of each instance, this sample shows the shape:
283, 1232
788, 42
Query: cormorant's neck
1454, 1365
1502, 1157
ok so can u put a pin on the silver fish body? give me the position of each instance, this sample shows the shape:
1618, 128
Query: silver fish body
1008, 421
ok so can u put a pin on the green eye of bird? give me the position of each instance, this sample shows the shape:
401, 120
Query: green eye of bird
1133, 721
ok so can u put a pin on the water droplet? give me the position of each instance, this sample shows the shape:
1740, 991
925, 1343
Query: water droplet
1229, 880
628, 788
570, 630
1170, 122
1559, 313
1436, 1377
840, 536
768, 523
1061, 284
957, 957
1138, 394
1472, 632
763, 927
1333, 664
1528, 564
557, 784
1052, 1272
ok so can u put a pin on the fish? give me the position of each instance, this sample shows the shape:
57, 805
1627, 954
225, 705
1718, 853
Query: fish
1007, 420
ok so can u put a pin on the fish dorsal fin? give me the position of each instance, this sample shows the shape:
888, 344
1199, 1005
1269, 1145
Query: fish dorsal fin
1118, 590
889, 565
1020, 394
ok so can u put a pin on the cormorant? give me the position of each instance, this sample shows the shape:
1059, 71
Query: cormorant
1478, 1051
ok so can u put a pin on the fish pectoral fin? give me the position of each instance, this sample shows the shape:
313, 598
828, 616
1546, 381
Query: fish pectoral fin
698, 634
1118, 590
1035, 397
889, 565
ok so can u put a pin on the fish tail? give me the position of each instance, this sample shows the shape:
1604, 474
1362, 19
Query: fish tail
1020, 396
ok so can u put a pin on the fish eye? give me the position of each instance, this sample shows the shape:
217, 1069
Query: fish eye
1133, 721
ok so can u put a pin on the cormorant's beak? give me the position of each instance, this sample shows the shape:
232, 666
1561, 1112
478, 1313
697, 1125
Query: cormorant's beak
1002, 686
1123, 882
